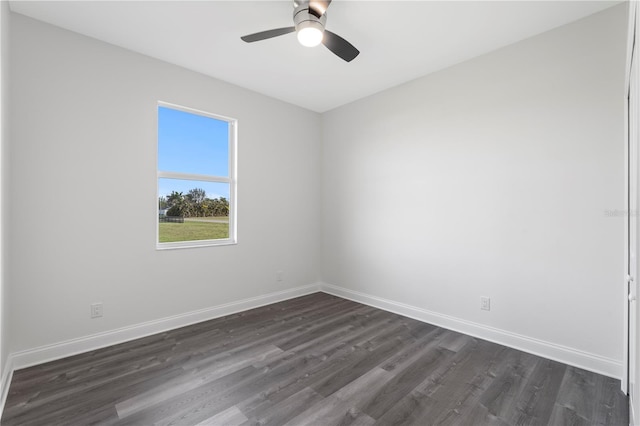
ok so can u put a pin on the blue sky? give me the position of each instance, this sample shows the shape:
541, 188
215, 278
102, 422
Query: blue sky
191, 143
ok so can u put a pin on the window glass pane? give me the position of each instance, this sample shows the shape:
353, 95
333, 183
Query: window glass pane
192, 143
191, 210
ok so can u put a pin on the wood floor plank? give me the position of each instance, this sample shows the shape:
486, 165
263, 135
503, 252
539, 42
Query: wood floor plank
447, 374
341, 335
482, 416
352, 371
319, 327
501, 396
47, 410
563, 415
317, 360
536, 403
193, 379
285, 410
332, 356
343, 407
230, 417
405, 378
587, 396
413, 349
577, 393
81, 370
243, 337
204, 399
409, 410
610, 405
459, 392
194, 405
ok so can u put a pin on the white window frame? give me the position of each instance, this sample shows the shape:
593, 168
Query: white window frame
231, 180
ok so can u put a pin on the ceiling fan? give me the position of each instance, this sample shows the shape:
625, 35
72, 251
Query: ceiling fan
309, 19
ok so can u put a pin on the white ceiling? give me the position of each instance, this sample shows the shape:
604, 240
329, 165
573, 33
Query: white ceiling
398, 40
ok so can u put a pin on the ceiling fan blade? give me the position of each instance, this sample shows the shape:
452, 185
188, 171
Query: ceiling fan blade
263, 35
319, 7
339, 46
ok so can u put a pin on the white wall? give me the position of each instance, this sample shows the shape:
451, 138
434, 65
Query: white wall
4, 163
83, 190
491, 178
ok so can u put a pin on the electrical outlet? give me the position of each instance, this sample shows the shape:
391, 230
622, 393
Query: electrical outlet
279, 276
485, 303
96, 310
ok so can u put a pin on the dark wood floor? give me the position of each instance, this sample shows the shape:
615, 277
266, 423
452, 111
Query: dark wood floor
318, 360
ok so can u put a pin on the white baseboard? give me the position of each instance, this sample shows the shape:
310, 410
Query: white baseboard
71, 347
581, 359
596, 363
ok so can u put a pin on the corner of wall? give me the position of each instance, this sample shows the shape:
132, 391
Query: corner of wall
5, 365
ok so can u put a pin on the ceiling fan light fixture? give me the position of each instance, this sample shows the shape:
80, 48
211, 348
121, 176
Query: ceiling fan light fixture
309, 19
310, 33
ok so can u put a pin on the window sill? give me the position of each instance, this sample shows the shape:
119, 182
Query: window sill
195, 244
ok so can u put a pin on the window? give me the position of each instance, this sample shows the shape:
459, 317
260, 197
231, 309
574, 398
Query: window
196, 178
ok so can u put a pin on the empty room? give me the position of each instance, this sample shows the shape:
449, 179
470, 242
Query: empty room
319, 212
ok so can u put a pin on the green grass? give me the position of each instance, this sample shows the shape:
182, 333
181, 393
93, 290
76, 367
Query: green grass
193, 231
208, 219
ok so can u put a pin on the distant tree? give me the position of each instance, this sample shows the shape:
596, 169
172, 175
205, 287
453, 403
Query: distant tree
208, 207
175, 210
196, 195
218, 207
162, 203
175, 198
225, 206
176, 203
195, 204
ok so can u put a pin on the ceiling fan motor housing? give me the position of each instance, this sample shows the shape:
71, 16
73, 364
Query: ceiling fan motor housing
304, 18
